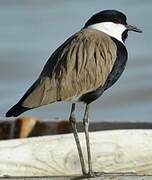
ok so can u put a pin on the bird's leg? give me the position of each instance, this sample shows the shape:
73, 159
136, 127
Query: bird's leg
72, 122
86, 130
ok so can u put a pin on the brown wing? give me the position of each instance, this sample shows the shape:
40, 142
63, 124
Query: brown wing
80, 65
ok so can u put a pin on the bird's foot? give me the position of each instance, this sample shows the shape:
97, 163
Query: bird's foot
89, 175
93, 174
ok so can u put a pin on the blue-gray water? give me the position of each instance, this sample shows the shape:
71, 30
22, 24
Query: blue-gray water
30, 30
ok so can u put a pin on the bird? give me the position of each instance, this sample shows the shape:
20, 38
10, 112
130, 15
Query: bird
80, 70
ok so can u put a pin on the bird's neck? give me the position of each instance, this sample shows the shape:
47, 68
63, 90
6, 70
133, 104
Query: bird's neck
110, 28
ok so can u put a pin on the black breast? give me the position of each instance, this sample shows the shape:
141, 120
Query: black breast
114, 75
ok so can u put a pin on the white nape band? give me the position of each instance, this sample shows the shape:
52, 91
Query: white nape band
110, 28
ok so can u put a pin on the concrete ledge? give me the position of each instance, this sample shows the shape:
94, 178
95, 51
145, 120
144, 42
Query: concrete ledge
113, 151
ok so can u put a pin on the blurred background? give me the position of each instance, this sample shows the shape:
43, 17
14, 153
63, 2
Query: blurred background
30, 30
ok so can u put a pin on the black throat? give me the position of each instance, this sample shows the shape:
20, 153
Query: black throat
124, 35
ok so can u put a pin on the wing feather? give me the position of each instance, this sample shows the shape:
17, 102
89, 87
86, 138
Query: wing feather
80, 65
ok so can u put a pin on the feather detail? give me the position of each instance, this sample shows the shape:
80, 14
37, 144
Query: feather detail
80, 65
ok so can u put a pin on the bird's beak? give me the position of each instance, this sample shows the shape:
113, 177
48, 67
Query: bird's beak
133, 28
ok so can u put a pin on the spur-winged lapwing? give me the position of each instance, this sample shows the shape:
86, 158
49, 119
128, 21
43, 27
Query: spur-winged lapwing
81, 69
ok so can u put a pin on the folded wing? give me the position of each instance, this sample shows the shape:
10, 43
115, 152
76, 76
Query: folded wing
80, 65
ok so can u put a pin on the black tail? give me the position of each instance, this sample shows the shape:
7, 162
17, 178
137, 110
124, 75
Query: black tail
16, 110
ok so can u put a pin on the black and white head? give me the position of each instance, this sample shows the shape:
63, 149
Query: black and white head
113, 23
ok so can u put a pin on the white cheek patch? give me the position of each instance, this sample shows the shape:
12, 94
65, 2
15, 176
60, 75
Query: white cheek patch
110, 28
